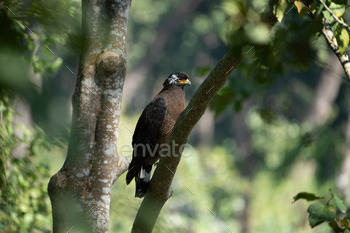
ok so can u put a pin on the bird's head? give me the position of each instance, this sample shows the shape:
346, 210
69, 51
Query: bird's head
178, 79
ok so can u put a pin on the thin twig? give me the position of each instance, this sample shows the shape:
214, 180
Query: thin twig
334, 16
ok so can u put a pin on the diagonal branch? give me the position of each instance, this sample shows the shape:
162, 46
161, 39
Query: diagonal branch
334, 16
159, 187
333, 44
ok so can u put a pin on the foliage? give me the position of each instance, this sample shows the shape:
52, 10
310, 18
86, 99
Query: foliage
218, 188
24, 202
337, 9
334, 212
212, 194
276, 50
26, 62
34, 51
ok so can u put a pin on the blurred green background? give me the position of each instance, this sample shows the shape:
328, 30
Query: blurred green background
278, 127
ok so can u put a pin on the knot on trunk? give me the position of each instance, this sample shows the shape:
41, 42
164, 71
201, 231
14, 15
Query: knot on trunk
110, 61
57, 182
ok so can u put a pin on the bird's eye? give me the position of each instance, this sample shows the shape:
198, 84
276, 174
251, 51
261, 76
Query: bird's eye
181, 79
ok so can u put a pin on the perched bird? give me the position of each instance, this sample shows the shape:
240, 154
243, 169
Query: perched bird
154, 128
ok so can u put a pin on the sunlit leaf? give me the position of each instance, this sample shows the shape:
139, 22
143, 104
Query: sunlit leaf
304, 11
344, 37
280, 8
299, 6
338, 202
338, 9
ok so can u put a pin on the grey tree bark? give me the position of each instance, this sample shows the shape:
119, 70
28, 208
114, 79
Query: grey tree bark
80, 191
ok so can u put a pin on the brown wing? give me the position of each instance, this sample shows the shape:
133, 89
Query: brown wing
146, 136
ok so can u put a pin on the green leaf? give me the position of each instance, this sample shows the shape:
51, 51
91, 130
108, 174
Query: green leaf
329, 18
314, 221
344, 37
338, 202
306, 196
338, 9
280, 8
319, 213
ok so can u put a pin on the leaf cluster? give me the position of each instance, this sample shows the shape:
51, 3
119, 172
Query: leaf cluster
328, 17
270, 53
334, 211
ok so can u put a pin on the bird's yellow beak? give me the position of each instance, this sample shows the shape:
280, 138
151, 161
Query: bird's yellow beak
185, 81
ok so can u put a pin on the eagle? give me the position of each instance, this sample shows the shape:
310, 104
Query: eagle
154, 128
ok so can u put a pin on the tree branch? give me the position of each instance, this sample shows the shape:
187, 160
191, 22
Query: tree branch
122, 166
159, 189
334, 16
333, 44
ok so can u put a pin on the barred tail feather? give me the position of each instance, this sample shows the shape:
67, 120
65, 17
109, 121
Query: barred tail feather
142, 181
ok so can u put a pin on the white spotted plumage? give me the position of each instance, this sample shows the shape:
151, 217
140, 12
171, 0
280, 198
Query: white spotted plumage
142, 175
173, 79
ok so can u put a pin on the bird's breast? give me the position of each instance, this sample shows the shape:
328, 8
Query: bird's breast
175, 106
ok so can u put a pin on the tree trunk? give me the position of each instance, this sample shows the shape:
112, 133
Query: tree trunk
80, 191
326, 92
